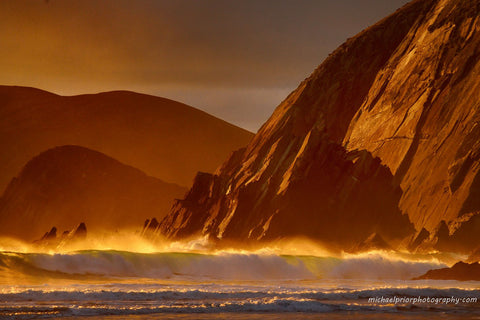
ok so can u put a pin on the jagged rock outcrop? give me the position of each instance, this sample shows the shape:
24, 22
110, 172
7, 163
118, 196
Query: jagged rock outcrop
373, 242
75, 183
80, 232
462, 235
459, 271
386, 127
50, 235
150, 227
51, 240
418, 239
352, 183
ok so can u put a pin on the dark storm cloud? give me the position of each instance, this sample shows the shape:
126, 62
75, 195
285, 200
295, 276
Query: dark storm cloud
169, 46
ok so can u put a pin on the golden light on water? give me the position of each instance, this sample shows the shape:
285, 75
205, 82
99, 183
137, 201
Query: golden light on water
133, 241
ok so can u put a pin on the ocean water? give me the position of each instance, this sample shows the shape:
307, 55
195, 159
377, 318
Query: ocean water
108, 284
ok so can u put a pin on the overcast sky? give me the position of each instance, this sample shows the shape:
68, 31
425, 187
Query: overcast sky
234, 59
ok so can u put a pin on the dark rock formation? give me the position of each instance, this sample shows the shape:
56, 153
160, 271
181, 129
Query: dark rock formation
460, 271
49, 235
80, 232
163, 138
51, 240
418, 239
460, 235
74, 183
384, 129
352, 183
373, 242
149, 227
466, 233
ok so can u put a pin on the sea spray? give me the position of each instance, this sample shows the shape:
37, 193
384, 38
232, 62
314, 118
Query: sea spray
117, 282
218, 266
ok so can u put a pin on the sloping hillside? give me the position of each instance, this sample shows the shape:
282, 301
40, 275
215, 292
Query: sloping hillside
67, 185
164, 138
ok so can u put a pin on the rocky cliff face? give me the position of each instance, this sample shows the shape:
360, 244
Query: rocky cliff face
382, 138
70, 183
421, 115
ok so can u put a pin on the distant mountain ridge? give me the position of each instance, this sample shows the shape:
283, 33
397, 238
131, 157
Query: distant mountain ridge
162, 137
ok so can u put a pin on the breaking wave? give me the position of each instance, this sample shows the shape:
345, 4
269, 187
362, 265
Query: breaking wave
109, 282
220, 266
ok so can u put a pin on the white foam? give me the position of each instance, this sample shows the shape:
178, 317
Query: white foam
378, 266
167, 265
224, 266
121, 300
